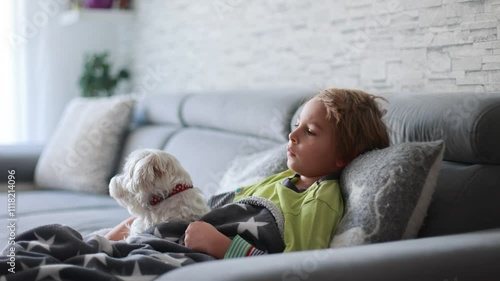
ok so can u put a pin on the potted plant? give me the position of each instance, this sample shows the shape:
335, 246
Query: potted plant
96, 79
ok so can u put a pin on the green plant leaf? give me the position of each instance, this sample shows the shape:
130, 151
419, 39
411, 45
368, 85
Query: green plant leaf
96, 78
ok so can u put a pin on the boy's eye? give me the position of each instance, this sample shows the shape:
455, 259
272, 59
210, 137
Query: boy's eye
309, 132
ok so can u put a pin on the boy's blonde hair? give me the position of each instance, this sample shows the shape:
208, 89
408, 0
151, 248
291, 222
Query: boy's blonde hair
358, 121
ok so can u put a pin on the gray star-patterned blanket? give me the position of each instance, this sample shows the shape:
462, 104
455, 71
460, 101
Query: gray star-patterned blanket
57, 252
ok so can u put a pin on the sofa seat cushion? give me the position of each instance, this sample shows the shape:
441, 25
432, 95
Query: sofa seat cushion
83, 211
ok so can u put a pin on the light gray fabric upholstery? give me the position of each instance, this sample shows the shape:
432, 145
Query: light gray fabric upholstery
261, 114
84, 212
207, 131
159, 109
295, 117
148, 136
20, 157
467, 122
464, 257
387, 193
466, 199
29, 203
207, 160
19, 186
253, 168
82, 153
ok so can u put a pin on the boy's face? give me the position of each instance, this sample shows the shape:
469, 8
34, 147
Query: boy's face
311, 146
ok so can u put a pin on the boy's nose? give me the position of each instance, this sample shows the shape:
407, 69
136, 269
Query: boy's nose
292, 137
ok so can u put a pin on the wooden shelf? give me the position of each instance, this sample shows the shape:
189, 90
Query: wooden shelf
96, 15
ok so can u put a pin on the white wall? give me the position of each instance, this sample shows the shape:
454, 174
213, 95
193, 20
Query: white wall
54, 61
396, 45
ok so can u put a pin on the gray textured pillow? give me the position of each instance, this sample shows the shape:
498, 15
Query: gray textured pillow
250, 169
81, 153
387, 193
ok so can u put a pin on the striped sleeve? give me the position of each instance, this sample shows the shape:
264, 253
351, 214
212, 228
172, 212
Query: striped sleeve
220, 200
239, 247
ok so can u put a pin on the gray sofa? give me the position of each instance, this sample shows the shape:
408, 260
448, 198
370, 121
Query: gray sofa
460, 237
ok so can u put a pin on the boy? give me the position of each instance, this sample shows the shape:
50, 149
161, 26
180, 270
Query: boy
333, 128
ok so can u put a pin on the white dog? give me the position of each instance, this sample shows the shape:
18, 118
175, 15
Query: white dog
155, 188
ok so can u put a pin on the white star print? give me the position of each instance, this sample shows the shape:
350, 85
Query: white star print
137, 275
169, 259
51, 270
99, 256
26, 267
250, 225
104, 245
244, 206
158, 234
41, 242
172, 239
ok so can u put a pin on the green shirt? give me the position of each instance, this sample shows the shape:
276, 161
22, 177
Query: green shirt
311, 216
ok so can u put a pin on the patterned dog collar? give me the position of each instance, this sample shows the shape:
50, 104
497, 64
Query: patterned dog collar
156, 199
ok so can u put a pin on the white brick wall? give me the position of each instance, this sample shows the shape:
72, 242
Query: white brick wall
394, 45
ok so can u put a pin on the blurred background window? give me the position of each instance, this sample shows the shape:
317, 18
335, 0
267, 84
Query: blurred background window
8, 120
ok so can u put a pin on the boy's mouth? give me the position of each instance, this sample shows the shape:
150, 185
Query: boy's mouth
290, 153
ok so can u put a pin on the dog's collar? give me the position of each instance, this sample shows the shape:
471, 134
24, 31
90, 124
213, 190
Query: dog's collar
156, 199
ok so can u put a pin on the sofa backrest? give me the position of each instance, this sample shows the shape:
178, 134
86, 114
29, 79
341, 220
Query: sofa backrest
207, 131
468, 188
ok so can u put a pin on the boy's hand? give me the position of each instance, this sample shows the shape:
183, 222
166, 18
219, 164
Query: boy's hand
205, 238
121, 231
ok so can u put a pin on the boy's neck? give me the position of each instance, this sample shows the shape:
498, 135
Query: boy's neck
305, 182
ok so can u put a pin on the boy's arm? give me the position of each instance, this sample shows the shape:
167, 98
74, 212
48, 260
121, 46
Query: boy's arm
121, 231
204, 237
239, 247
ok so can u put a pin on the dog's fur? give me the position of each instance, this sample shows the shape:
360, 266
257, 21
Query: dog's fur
150, 172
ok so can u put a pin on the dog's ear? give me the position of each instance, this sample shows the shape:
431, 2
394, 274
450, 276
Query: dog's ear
148, 168
115, 187
157, 170
156, 166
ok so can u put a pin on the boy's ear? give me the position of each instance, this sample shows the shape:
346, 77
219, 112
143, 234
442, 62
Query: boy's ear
340, 163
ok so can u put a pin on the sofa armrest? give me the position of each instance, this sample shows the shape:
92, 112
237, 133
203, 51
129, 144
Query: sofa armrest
19, 157
471, 256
